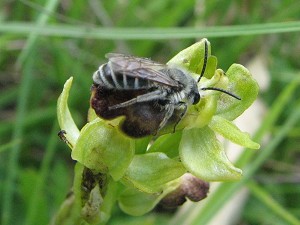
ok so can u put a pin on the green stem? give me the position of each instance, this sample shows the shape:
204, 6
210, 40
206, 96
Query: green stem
12, 167
42, 178
265, 198
36, 117
9, 145
41, 21
76, 208
70, 210
149, 33
21, 111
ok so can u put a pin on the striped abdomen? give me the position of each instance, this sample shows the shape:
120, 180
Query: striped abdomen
105, 76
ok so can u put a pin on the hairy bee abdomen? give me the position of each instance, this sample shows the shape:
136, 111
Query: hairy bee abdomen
105, 76
141, 119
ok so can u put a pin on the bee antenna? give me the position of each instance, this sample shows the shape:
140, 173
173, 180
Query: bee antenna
223, 91
204, 60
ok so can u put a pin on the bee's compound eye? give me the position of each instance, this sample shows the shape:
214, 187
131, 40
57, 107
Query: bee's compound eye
196, 98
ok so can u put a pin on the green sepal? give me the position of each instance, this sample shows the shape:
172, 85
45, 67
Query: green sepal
103, 148
191, 58
151, 171
64, 116
242, 84
231, 132
211, 67
203, 156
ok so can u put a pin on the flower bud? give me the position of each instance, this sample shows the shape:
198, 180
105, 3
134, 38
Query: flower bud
190, 187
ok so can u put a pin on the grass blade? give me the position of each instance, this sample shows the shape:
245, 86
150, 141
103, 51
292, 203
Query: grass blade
149, 33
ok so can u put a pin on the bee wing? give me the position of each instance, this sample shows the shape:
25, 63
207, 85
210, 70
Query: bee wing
141, 68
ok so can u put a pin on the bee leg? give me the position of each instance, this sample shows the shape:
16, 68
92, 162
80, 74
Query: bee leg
169, 113
154, 95
181, 115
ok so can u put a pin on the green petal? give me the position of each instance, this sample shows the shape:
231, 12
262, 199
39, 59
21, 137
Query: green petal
167, 144
104, 148
137, 203
203, 155
201, 114
231, 132
241, 83
91, 115
64, 116
141, 144
150, 172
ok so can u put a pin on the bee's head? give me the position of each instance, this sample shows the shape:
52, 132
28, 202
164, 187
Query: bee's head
196, 98
194, 95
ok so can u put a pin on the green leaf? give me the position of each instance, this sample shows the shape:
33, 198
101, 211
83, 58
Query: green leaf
104, 148
64, 116
241, 83
231, 132
150, 172
203, 155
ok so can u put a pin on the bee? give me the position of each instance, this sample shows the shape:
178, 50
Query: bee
147, 93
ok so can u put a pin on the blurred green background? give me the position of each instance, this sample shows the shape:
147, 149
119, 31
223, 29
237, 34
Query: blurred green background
36, 170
